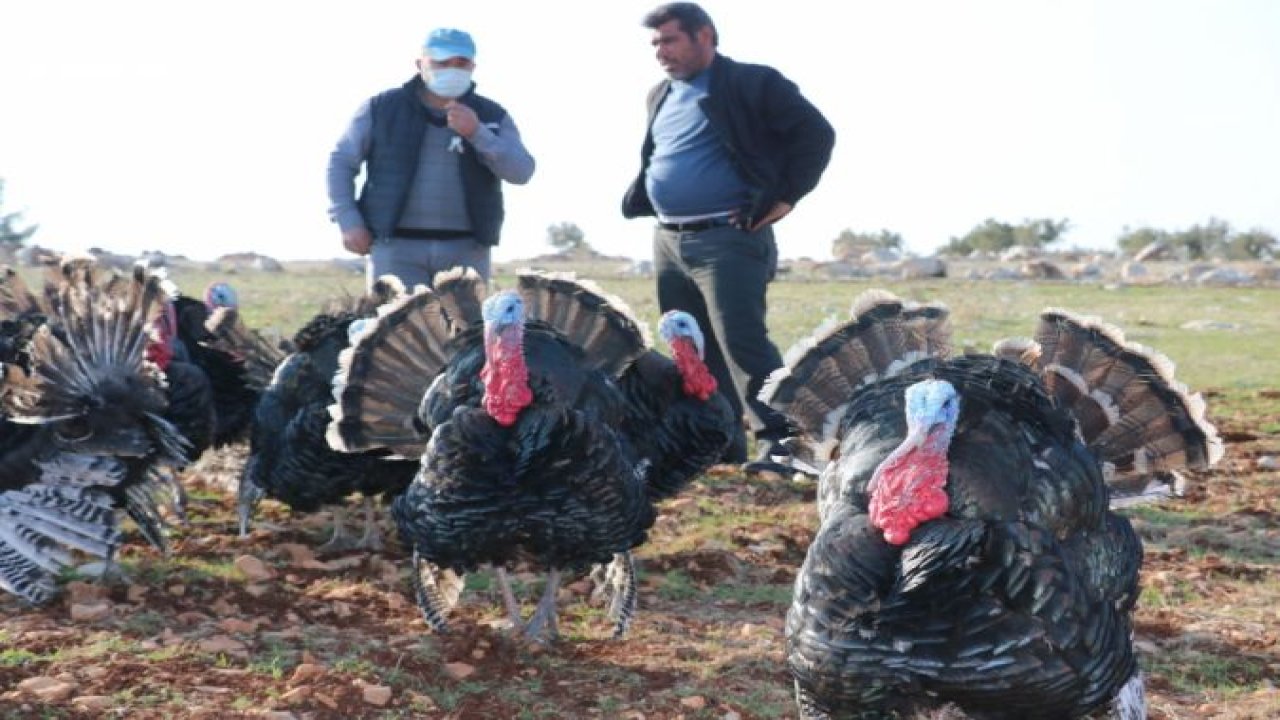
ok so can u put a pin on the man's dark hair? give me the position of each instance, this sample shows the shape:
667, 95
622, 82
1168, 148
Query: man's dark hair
691, 17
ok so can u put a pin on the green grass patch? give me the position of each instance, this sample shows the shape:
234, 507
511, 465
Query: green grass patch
1197, 672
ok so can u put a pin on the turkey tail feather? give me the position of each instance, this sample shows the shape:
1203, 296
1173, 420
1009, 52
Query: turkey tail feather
599, 323
1130, 408
461, 291
39, 522
822, 372
16, 297
383, 375
261, 357
105, 321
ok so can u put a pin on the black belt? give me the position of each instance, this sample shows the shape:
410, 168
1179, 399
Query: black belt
420, 234
698, 225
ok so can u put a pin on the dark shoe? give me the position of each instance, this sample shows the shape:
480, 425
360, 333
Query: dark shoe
773, 457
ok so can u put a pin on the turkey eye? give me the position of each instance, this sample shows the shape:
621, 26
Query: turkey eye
74, 430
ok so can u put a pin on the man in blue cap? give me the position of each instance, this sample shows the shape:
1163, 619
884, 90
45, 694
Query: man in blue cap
435, 154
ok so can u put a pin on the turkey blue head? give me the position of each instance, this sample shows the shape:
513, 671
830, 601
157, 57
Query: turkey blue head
220, 294
909, 487
505, 374
682, 334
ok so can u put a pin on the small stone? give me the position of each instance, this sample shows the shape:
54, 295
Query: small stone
83, 593
92, 703
694, 702
236, 625
191, 617
135, 593
253, 569
377, 694
47, 689
222, 608
459, 670
306, 672
90, 612
298, 553
296, 695
221, 644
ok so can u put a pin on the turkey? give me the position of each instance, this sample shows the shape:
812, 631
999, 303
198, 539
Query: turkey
81, 420
231, 391
966, 556
289, 457
229, 334
524, 460
675, 417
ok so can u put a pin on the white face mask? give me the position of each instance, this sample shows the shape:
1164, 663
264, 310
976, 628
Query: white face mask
448, 82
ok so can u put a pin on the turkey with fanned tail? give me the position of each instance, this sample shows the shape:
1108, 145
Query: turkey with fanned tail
289, 456
966, 555
524, 456
82, 427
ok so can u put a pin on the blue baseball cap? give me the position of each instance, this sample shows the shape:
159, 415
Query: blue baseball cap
445, 43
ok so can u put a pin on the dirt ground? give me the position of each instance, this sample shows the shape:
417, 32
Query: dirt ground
265, 626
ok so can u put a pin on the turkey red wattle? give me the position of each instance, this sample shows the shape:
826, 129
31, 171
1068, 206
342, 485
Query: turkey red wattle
909, 488
505, 375
697, 379
159, 349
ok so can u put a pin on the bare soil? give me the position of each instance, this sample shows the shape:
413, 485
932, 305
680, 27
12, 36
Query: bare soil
200, 635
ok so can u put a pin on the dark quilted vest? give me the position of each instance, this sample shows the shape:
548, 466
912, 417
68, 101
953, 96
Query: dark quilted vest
398, 121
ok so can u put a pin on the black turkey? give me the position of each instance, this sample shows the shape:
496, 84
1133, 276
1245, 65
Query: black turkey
676, 418
966, 556
228, 333
81, 420
289, 457
219, 415
526, 461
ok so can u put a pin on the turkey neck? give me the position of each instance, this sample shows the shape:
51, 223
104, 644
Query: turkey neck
505, 374
697, 379
909, 487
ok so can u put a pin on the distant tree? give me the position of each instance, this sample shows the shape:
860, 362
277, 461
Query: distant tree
852, 244
12, 234
994, 236
1199, 242
1253, 245
1213, 239
1131, 242
566, 237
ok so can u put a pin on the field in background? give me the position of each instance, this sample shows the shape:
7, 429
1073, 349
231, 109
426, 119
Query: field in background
199, 634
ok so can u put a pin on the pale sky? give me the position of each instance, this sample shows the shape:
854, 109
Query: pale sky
203, 128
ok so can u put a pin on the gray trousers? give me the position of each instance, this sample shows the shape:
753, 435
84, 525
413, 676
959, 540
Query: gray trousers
720, 276
416, 261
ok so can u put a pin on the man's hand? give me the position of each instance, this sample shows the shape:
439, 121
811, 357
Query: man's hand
357, 240
776, 213
461, 119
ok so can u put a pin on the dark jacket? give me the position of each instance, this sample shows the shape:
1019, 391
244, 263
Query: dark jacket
398, 119
777, 139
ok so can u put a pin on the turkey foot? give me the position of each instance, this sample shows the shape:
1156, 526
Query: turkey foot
542, 627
